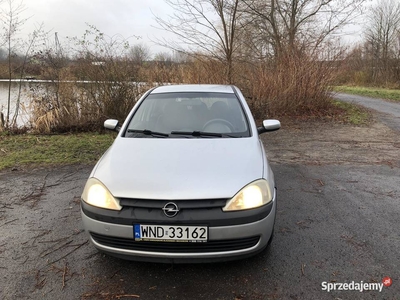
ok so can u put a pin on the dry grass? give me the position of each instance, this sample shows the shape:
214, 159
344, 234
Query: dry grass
294, 86
66, 106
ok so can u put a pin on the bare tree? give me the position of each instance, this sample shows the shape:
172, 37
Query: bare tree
382, 36
11, 23
208, 27
139, 53
163, 57
29, 46
298, 25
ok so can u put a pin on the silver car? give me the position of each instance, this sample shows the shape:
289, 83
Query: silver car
186, 180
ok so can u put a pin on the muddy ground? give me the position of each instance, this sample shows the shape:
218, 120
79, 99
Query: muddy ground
337, 221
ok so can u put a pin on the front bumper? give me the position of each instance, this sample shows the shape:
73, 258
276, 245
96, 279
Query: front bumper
224, 243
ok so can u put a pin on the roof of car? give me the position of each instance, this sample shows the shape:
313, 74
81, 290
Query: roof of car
215, 88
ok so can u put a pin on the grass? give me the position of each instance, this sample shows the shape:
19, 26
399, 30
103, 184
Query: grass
389, 94
50, 150
353, 114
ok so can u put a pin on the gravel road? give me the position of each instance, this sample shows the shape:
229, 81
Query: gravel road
387, 112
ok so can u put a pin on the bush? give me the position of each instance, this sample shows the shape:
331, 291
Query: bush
82, 106
84, 93
295, 85
361, 78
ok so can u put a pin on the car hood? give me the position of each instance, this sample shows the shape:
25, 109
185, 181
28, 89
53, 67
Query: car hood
157, 168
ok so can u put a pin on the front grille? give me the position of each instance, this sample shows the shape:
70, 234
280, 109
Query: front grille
182, 204
175, 247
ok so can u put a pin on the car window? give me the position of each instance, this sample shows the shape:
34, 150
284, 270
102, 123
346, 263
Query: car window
187, 112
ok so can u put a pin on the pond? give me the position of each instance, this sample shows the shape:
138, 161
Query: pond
86, 96
24, 95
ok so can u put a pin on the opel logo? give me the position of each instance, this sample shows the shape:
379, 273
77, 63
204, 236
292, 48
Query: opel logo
170, 209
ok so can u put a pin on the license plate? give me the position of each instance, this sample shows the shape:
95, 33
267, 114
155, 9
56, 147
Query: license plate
162, 233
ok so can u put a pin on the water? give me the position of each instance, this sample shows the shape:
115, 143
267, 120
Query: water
40, 86
25, 95
25, 100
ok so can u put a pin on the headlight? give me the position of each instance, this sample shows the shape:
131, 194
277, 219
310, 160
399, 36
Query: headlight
96, 194
254, 195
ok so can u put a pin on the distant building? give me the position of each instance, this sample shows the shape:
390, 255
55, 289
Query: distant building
98, 63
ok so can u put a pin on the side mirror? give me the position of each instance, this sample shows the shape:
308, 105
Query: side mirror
111, 124
268, 126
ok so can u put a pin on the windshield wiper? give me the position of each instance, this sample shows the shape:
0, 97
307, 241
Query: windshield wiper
198, 133
148, 132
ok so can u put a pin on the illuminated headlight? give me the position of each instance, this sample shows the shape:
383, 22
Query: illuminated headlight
254, 195
96, 194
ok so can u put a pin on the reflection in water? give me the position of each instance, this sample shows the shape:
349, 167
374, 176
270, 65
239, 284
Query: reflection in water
25, 100
85, 97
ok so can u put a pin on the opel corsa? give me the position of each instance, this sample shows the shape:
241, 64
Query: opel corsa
186, 180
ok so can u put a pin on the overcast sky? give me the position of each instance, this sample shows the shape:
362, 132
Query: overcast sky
125, 17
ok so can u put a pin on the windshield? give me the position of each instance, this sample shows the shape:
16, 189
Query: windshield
189, 115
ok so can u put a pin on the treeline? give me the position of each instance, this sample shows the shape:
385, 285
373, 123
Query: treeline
283, 54
376, 60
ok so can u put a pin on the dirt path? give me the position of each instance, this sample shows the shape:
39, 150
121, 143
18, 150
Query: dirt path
387, 112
